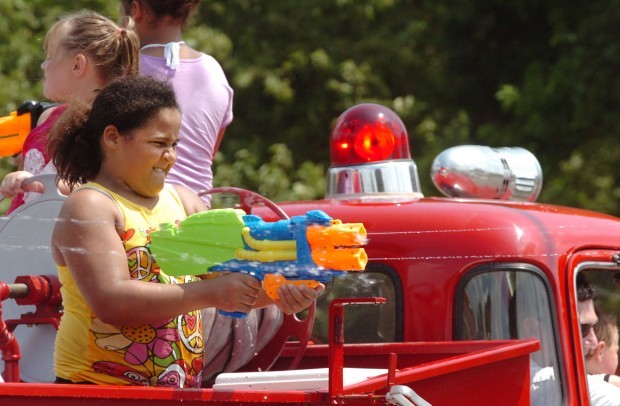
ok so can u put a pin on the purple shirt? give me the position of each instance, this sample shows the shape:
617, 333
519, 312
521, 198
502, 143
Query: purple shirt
206, 101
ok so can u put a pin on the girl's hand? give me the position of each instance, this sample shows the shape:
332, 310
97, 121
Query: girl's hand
294, 299
237, 292
13, 184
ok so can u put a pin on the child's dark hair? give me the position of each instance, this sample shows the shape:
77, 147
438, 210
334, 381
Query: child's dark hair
585, 291
177, 9
127, 103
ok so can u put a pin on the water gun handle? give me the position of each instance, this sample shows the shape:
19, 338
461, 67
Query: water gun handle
272, 282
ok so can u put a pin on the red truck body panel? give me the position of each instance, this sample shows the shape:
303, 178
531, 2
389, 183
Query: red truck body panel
431, 244
431, 367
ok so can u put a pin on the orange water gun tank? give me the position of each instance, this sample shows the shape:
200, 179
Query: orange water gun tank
15, 127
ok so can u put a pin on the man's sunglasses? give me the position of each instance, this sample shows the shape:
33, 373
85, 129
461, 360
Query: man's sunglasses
585, 329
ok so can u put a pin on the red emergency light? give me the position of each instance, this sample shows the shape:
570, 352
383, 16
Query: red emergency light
368, 133
370, 156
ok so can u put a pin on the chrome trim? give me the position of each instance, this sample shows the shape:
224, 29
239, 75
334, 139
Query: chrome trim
508, 173
390, 177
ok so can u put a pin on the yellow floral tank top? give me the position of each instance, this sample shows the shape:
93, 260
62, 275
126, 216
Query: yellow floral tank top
168, 353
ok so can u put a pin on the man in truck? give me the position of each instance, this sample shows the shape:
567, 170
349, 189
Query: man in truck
602, 393
603, 360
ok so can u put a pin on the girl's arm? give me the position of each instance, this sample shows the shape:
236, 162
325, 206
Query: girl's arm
12, 184
87, 241
191, 201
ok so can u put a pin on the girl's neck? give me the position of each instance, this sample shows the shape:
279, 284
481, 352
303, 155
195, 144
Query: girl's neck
123, 189
86, 86
161, 34
89, 93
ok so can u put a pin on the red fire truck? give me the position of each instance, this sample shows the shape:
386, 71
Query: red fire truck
439, 316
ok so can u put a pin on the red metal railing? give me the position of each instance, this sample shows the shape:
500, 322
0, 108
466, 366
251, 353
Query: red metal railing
42, 291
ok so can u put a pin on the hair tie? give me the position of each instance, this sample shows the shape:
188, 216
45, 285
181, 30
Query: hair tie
122, 31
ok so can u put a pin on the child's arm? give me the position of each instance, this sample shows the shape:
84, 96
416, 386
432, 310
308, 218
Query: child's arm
12, 184
191, 201
86, 240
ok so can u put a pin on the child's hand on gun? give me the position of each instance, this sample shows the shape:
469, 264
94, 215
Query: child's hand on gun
293, 299
237, 292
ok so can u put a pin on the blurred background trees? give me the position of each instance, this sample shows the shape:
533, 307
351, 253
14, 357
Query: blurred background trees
541, 75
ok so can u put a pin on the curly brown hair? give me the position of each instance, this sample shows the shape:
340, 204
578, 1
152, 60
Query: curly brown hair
127, 103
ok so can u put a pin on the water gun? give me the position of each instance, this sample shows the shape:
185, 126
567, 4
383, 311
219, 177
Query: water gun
15, 127
307, 249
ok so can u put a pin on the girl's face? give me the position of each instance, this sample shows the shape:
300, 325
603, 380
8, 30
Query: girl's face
150, 153
57, 67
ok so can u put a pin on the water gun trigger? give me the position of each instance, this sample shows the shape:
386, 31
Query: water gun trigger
272, 282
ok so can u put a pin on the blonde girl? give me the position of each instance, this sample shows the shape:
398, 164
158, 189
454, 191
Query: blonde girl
84, 51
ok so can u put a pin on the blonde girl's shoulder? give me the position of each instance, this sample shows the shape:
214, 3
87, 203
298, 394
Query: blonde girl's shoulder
46, 114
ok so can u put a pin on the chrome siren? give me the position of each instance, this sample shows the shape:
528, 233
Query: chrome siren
473, 171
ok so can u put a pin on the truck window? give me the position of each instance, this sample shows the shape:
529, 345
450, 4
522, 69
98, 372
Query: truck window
363, 323
604, 278
605, 282
512, 302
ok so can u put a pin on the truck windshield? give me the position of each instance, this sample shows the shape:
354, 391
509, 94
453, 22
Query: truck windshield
512, 302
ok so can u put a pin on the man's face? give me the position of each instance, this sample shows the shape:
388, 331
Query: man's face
587, 317
610, 354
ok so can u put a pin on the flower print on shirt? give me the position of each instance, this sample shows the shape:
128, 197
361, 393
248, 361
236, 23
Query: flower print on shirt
138, 342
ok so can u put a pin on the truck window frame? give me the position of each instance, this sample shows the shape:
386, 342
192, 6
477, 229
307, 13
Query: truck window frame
593, 268
459, 311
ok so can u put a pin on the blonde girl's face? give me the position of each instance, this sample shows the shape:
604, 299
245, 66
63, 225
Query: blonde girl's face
57, 67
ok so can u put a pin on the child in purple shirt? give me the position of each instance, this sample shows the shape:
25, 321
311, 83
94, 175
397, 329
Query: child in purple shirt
198, 80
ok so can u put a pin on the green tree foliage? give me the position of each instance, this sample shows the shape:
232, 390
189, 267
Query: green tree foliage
542, 75
296, 66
